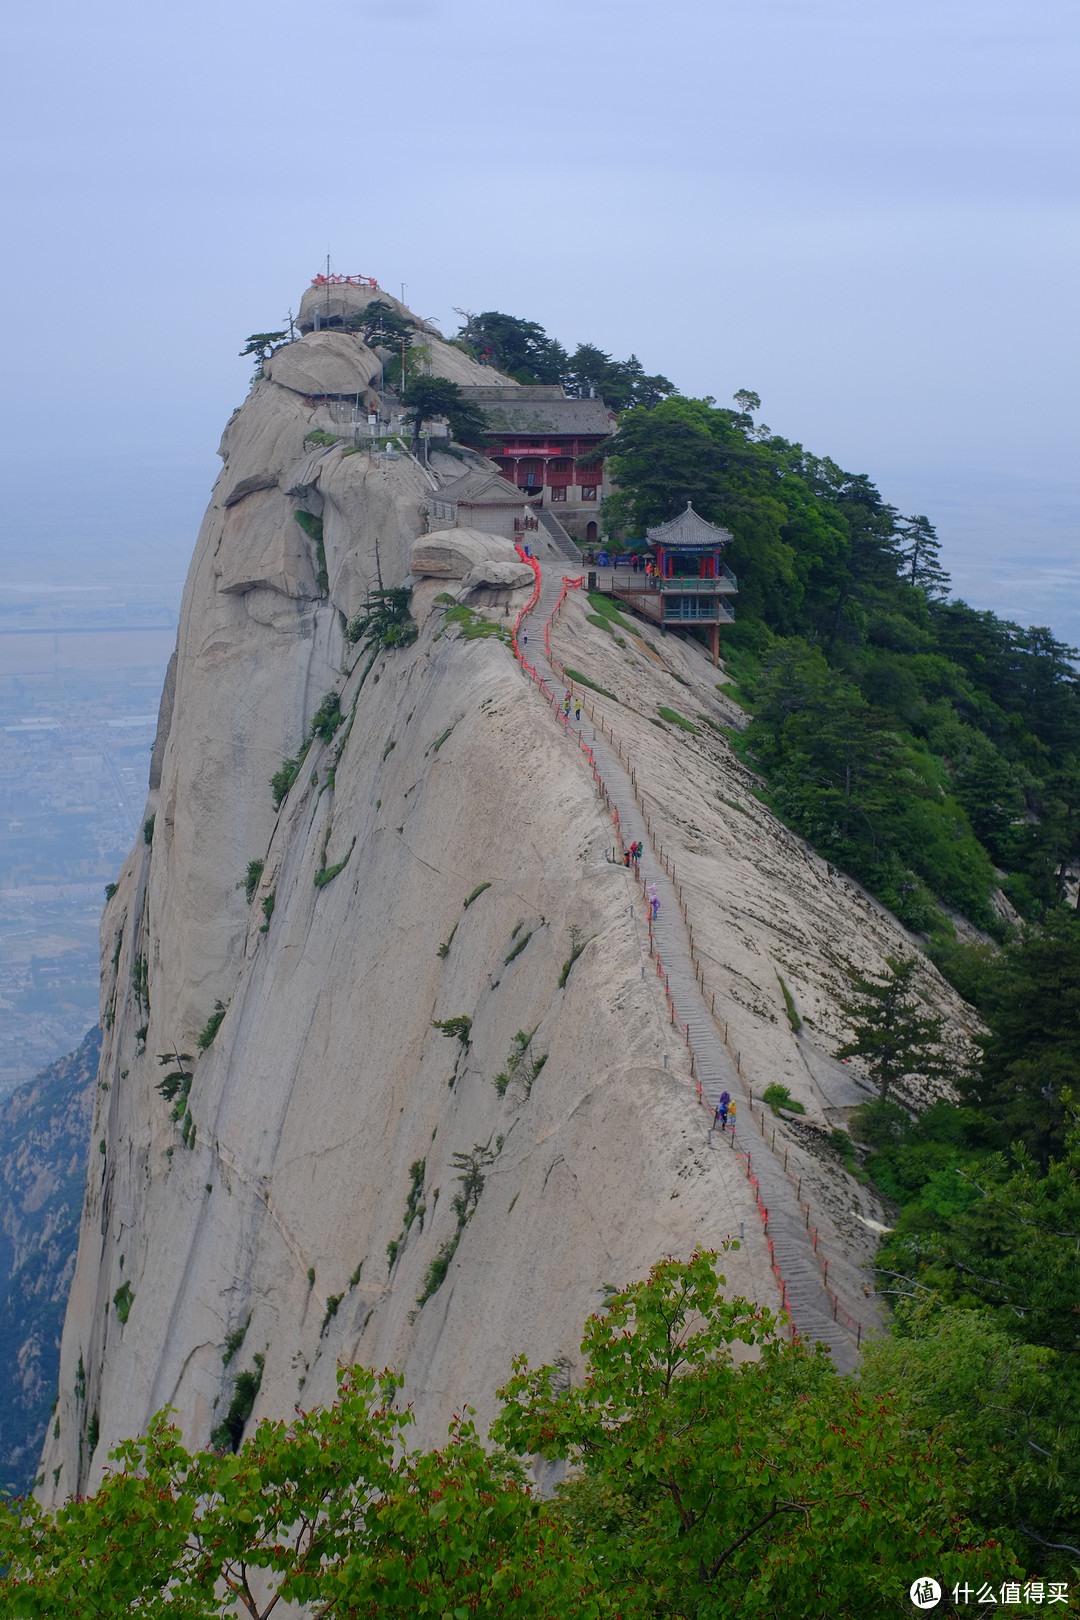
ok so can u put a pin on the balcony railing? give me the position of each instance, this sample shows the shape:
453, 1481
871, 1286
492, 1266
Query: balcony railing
618, 579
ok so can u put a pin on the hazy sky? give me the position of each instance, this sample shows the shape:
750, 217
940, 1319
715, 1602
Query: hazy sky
865, 211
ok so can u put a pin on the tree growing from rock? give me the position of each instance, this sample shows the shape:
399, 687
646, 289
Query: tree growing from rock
262, 345
895, 1039
438, 396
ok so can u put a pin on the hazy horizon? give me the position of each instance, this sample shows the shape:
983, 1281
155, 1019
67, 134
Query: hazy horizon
868, 215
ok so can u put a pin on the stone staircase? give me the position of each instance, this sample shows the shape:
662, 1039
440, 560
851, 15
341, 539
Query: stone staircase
814, 1310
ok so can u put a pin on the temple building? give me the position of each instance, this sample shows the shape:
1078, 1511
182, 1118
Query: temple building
548, 447
483, 500
690, 585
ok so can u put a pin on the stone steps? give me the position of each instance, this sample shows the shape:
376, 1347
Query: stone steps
809, 1305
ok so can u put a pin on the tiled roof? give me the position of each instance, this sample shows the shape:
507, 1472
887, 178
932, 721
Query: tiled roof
576, 416
689, 529
480, 488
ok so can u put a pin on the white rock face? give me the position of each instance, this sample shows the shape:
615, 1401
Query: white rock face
433, 860
470, 555
324, 363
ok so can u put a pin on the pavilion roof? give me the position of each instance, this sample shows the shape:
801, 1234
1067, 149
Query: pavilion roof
689, 530
482, 488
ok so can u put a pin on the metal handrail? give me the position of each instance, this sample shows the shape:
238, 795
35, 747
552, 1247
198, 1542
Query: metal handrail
726, 585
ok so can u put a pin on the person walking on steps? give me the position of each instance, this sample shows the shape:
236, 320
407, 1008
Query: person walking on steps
732, 1111
577, 711
722, 1109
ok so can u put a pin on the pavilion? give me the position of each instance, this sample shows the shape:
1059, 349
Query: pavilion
690, 585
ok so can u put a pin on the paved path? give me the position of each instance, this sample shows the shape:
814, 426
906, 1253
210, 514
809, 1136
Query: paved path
808, 1302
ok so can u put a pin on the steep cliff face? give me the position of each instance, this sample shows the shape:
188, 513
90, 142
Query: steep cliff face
43, 1148
341, 1179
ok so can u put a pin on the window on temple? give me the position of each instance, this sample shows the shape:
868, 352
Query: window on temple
558, 492
588, 492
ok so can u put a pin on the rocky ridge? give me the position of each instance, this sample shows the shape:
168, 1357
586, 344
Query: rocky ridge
439, 858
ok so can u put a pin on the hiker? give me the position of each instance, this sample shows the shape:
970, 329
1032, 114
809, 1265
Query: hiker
577, 711
628, 855
566, 704
524, 638
732, 1111
635, 853
722, 1108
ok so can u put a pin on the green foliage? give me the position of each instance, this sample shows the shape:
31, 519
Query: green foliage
326, 874
524, 351
321, 440
386, 621
123, 1300
521, 1064
471, 1168
262, 345
472, 626
268, 911
206, 1035
702, 1482
1006, 1411
1031, 1057
444, 949
477, 892
148, 829
283, 779
313, 528
789, 1003
706, 1486
110, 890
916, 742
455, 1029
579, 679
333, 1506
432, 396
324, 723
517, 949
777, 1096
380, 326
332, 1303
230, 1431
327, 717
140, 981
896, 1040
606, 608
518, 347
619, 383
252, 879
234, 1340
673, 718
577, 945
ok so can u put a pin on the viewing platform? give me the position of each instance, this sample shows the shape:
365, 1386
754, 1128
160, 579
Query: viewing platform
686, 585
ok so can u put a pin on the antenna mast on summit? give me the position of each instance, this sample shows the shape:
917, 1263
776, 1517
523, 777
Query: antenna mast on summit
328, 287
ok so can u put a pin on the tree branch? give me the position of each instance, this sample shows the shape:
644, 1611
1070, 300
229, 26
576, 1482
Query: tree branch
707, 1575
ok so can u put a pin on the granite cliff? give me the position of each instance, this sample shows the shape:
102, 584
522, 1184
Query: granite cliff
333, 1177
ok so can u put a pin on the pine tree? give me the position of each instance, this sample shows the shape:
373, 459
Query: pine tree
889, 1031
920, 548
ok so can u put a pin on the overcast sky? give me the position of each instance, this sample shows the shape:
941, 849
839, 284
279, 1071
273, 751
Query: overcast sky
863, 210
